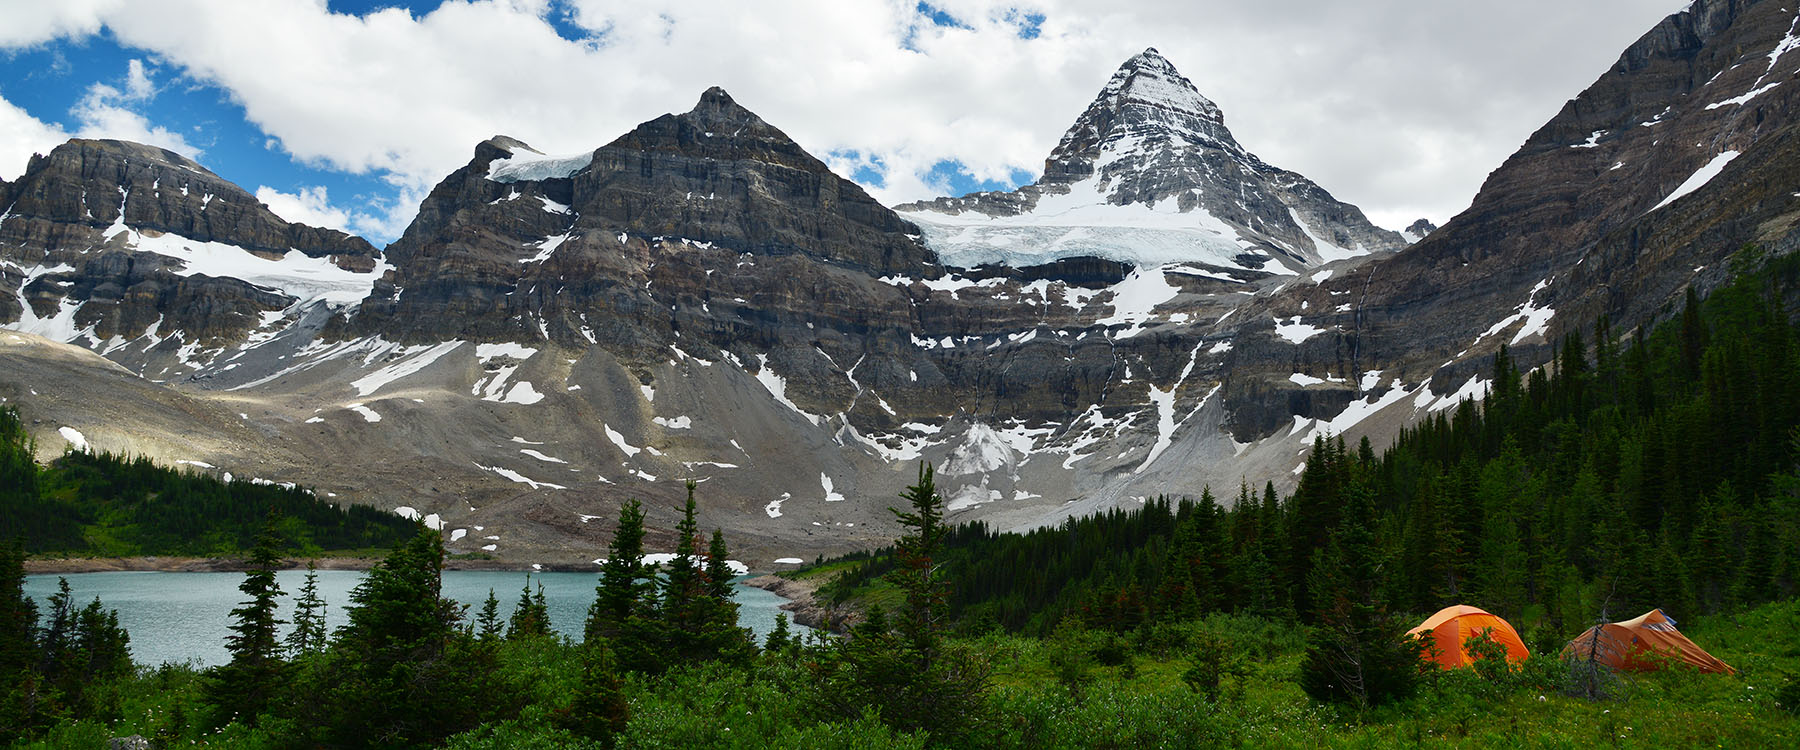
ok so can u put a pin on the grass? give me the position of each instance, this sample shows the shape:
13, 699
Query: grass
1089, 689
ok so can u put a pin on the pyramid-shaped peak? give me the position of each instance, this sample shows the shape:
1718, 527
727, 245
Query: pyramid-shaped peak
1150, 58
716, 96
716, 109
1147, 104
717, 102
1148, 78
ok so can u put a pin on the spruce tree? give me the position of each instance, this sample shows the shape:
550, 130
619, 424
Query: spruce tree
308, 635
600, 711
487, 624
908, 672
624, 600
18, 645
724, 639
684, 593
1359, 654
779, 638
243, 688
718, 572
403, 649
531, 616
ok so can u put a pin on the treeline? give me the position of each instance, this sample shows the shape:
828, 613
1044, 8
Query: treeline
105, 504
1649, 470
411, 669
59, 670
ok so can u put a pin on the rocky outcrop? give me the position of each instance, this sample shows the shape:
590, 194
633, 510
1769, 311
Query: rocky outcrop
112, 242
1418, 230
700, 299
102, 183
1641, 186
805, 605
1150, 174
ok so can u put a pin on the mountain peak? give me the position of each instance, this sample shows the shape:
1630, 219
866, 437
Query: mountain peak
1149, 78
715, 97
716, 110
1152, 175
1149, 60
1146, 104
86, 147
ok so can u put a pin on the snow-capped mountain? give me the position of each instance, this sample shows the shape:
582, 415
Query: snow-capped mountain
1150, 175
701, 299
147, 256
1418, 230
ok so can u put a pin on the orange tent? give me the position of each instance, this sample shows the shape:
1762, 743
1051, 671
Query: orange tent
1622, 645
1452, 625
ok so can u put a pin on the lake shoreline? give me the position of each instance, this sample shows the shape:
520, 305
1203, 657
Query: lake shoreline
176, 616
806, 609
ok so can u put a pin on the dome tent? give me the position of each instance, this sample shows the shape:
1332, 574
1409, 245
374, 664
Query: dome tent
1646, 642
1453, 625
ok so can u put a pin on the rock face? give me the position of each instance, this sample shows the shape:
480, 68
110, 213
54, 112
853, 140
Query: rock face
1643, 185
149, 254
700, 299
1150, 175
1418, 230
517, 244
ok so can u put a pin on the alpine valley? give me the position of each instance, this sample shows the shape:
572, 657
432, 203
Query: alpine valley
700, 298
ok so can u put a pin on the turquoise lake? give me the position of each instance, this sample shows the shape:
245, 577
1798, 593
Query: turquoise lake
176, 617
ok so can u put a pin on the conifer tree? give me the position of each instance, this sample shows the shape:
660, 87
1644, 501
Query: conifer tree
718, 572
308, 635
243, 688
1359, 654
403, 648
724, 639
18, 644
487, 623
56, 642
600, 711
531, 616
1693, 335
779, 637
909, 672
624, 600
684, 590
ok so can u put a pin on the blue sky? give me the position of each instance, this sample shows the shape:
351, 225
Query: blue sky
58, 77
51, 81
346, 114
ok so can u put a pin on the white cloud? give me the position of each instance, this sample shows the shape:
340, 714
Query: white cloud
138, 86
1400, 106
385, 218
22, 135
30, 22
309, 206
102, 115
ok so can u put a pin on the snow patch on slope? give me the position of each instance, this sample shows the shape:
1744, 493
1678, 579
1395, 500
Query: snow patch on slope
1700, 177
530, 166
415, 361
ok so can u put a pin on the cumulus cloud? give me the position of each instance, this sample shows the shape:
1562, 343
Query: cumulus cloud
138, 86
106, 111
31, 22
311, 205
22, 135
1400, 106
384, 217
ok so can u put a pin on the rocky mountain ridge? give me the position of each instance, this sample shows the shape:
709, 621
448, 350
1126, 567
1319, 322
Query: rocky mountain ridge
1149, 174
700, 299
